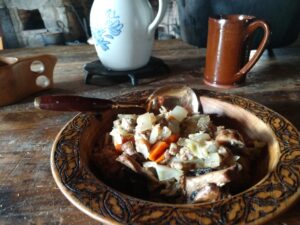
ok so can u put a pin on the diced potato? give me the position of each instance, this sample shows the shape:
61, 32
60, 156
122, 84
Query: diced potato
179, 113
155, 134
143, 147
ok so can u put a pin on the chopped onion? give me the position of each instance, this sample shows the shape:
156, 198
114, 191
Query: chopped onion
166, 132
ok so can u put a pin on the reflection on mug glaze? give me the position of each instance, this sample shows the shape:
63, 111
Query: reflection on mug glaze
113, 28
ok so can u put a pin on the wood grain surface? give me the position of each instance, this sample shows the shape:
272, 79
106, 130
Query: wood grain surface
28, 194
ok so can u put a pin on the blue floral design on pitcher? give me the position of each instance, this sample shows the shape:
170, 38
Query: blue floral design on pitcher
113, 28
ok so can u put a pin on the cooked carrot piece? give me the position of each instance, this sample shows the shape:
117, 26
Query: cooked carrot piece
127, 138
118, 147
161, 158
172, 138
158, 149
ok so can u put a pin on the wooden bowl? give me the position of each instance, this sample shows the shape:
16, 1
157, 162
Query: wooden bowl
274, 187
22, 77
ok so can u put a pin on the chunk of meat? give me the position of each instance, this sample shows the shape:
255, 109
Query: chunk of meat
130, 162
186, 166
173, 149
196, 123
209, 193
128, 122
219, 177
171, 188
230, 137
170, 153
142, 146
128, 148
204, 122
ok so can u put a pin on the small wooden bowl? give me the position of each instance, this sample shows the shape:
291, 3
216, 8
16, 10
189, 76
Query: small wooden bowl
22, 77
274, 188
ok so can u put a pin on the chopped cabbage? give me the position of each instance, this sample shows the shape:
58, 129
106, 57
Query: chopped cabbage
213, 160
199, 137
164, 172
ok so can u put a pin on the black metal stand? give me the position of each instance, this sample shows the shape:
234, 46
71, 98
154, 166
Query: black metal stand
97, 74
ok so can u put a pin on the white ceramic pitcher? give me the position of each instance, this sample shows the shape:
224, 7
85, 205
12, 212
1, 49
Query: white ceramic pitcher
123, 32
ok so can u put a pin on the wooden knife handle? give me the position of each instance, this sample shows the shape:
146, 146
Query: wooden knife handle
72, 103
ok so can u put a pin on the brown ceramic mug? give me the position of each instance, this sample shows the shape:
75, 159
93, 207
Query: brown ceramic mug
228, 49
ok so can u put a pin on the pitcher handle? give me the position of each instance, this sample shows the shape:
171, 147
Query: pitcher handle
160, 14
251, 28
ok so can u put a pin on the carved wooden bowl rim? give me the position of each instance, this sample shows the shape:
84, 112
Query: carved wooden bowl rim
270, 197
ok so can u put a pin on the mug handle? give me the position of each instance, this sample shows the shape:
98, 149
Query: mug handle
162, 7
250, 29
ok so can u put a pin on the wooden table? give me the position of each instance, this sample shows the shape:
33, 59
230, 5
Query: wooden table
28, 194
